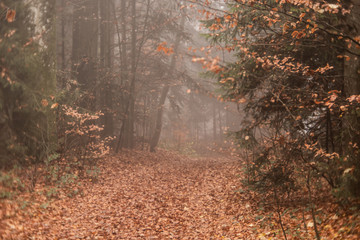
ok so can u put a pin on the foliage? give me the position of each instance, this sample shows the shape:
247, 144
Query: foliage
294, 90
82, 136
25, 81
79, 149
36, 135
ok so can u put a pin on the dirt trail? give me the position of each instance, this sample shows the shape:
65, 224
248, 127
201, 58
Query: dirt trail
150, 196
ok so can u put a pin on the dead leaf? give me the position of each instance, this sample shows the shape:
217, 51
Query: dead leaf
10, 15
55, 105
44, 102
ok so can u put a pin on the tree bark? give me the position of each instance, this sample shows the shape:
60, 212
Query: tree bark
126, 136
85, 49
64, 36
220, 124
351, 123
157, 132
352, 65
156, 136
106, 65
129, 123
214, 122
85, 32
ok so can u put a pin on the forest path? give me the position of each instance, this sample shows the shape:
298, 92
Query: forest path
142, 195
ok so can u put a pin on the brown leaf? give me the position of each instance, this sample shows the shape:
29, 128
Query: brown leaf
10, 15
44, 102
55, 105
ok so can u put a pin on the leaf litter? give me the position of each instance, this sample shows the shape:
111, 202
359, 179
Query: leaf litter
141, 195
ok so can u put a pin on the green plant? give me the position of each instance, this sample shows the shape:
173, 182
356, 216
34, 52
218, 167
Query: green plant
44, 205
93, 173
52, 192
9, 185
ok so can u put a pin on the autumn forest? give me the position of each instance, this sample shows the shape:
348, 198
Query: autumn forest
169, 119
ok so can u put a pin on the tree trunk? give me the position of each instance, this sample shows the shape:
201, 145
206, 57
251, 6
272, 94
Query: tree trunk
106, 65
156, 135
64, 24
351, 121
214, 122
129, 130
85, 32
220, 124
85, 49
123, 56
352, 65
204, 122
63, 35
126, 136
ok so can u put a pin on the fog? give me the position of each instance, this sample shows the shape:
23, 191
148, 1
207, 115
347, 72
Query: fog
134, 62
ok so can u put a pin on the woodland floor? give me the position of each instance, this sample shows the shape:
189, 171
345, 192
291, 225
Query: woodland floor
140, 195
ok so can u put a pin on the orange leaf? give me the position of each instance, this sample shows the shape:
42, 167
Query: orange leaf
44, 102
161, 46
294, 34
55, 105
242, 100
302, 15
285, 28
10, 15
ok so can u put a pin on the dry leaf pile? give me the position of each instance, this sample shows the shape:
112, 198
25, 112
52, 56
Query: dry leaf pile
141, 195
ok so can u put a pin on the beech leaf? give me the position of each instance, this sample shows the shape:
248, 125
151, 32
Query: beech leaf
10, 15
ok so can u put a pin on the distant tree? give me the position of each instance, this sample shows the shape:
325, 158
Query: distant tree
85, 54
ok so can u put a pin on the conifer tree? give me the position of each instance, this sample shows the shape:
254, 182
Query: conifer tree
295, 89
26, 83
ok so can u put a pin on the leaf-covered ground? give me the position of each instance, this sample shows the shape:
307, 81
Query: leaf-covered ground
140, 195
